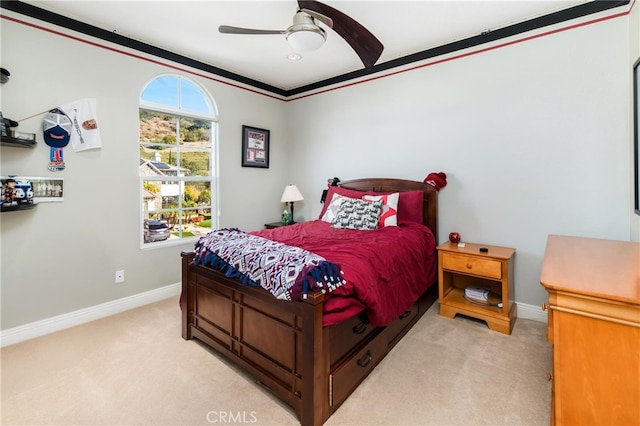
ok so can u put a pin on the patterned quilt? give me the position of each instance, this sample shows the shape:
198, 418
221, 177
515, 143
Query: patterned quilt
287, 272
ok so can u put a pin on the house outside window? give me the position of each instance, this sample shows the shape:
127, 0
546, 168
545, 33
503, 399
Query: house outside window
178, 173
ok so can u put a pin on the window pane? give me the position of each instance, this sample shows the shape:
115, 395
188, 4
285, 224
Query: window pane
192, 99
195, 132
159, 162
170, 193
158, 128
160, 195
195, 162
197, 194
196, 222
162, 90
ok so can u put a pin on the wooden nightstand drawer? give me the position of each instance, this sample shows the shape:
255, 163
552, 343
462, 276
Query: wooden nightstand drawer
472, 265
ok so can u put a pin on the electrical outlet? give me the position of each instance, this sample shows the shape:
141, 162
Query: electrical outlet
120, 276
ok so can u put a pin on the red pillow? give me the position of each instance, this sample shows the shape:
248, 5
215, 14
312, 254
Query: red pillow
410, 206
351, 193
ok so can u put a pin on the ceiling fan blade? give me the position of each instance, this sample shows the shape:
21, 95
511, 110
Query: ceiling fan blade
365, 44
226, 29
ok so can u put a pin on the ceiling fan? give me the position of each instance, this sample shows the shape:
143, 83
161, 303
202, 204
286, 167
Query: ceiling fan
306, 35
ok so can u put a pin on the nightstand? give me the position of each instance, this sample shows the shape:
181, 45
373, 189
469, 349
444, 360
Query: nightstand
275, 225
460, 267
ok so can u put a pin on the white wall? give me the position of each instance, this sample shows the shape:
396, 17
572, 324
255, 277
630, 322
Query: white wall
534, 138
61, 257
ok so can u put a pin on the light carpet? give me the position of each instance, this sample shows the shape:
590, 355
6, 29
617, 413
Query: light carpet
134, 368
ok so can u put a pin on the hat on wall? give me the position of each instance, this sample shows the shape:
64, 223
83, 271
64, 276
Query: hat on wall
437, 179
57, 128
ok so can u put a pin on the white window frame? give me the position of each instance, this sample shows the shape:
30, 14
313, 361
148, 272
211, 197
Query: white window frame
212, 179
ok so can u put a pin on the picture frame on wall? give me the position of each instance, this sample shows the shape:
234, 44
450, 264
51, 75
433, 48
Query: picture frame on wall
47, 189
255, 147
636, 134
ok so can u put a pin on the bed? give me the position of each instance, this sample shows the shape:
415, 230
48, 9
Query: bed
311, 352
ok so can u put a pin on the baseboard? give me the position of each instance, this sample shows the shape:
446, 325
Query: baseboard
50, 325
531, 312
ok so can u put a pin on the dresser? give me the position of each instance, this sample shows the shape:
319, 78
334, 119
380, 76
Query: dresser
594, 326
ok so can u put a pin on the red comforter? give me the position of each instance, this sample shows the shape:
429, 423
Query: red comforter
386, 270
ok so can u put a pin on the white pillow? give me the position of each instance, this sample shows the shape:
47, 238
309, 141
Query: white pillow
389, 215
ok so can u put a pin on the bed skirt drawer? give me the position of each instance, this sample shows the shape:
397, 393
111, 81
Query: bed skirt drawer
347, 336
348, 375
472, 265
397, 329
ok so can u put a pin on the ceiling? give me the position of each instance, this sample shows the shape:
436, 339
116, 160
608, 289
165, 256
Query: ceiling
190, 28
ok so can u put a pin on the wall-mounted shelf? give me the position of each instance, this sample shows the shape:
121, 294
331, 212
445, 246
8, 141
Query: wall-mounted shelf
16, 207
18, 143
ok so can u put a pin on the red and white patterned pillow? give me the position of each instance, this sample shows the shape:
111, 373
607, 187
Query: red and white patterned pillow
389, 215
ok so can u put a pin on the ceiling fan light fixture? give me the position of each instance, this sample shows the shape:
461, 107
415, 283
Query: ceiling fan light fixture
304, 35
307, 40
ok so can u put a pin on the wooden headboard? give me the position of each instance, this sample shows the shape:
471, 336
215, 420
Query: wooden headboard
430, 202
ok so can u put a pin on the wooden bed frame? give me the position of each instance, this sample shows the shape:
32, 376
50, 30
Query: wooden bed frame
283, 344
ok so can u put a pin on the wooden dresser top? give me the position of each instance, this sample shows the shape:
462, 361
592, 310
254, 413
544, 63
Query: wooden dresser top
603, 268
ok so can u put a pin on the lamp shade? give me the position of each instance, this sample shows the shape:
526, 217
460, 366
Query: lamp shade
291, 193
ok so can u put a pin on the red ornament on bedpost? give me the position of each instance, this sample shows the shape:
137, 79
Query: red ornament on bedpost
454, 237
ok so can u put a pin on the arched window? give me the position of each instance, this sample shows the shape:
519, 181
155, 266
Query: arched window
177, 163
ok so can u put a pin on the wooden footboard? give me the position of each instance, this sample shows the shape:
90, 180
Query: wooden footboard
283, 344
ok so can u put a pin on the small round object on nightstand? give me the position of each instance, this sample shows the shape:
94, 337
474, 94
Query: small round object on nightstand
454, 237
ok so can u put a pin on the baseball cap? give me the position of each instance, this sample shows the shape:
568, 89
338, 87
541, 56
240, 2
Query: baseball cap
57, 128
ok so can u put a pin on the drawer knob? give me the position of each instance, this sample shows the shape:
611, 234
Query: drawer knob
365, 360
544, 306
469, 266
359, 328
405, 314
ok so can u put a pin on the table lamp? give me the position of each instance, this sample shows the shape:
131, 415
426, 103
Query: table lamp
290, 195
